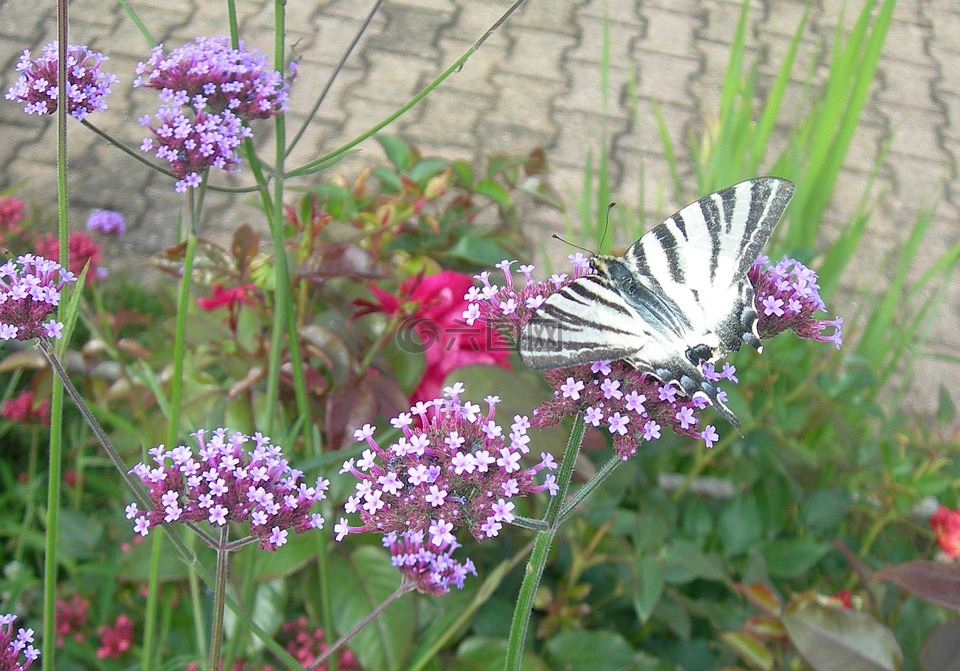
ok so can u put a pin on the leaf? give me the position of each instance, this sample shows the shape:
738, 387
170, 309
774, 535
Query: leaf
348, 408
788, 558
935, 582
397, 151
946, 409
687, 557
650, 583
825, 509
577, 651
761, 597
244, 246
493, 191
941, 650
842, 640
482, 653
748, 648
358, 584
739, 525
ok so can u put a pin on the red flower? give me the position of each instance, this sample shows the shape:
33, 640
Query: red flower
115, 640
82, 249
441, 332
231, 298
946, 526
23, 410
71, 620
12, 212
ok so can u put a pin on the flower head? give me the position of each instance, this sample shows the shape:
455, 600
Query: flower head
12, 212
16, 647
72, 617
946, 527
29, 291
23, 410
631, 404
115, 639
436, 327
226, 481
307, 644
82, 249
452, 467
429, 566
107, 222
208, 91
87, 85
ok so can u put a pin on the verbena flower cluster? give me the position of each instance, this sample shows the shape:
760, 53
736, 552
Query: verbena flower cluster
24, 409
787, 295
634, 406
208, 92
115, 639
452, 467
87, 85
431, 568
227, 482
82, 250
16, 648
107, 222
29, 291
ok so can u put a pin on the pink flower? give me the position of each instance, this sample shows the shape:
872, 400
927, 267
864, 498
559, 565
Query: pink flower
115, 640
21, 409
12, 212
82, 250
436, 305
946, 527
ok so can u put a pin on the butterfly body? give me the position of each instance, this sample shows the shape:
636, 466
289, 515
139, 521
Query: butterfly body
679, 295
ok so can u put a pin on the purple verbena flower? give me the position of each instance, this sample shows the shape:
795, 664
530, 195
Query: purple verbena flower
787, 295
208, 91
632, 405
430, 567
226, 482
452, 467
87, 85
16, 647
107, 222
29, 291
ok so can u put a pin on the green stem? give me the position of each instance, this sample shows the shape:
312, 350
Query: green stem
374, 614
585, 491
56, 398
335, 154
219, 598
541, 549
153, 600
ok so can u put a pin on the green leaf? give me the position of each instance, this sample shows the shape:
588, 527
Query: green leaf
397, 151
840, 639
825, 509
480, 653
578, 650
359, 583
478, 250
650, 583
687, 562
493, 191
426, 168
740, 526
788, 558
946, 409
749, 648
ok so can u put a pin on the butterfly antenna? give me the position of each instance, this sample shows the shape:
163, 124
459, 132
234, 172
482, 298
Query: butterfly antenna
572, 244
606, 223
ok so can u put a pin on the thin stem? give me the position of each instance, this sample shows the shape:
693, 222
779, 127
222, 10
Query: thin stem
529, 523
587, 488
56, 398
335, 154
153, 598
333, 76
219, 596
374, 614
541, 549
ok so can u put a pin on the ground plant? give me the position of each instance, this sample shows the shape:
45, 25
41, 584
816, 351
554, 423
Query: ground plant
313, 445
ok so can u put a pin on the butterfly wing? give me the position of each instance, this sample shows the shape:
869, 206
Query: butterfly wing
695, 265
679, 294
587, 320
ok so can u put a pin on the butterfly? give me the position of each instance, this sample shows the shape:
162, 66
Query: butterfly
678, 297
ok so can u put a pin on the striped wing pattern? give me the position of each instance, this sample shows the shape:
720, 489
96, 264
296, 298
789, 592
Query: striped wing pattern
679, 294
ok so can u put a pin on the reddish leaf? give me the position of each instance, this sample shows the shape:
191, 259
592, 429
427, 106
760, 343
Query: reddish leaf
932, 581
348, 408
838, 639
244, 245
768, 628
762, 597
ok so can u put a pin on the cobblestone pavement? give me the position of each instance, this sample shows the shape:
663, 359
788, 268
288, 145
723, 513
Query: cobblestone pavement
534, 83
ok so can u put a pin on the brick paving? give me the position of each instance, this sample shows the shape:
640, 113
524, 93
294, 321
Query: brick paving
535, 83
